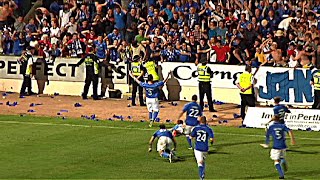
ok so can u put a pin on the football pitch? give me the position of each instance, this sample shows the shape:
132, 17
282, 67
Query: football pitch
46, 148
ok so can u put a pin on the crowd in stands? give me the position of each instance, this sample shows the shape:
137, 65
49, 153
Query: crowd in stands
283, 33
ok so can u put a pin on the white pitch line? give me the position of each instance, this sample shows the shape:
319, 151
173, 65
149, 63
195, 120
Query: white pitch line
130, 128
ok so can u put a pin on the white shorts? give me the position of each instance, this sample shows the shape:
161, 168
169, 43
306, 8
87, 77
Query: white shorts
200, 156
164, 143
188, 130
152, 104
276, 154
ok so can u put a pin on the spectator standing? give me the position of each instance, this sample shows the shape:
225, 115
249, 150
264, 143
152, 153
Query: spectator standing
119, 17
66, 12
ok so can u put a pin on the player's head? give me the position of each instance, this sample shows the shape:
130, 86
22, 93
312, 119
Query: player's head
150, 78
248, 69
179, 122
203, 120
277, 99
162, 126
276, 118
194, 98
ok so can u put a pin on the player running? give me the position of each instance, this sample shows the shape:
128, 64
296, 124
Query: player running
279, 110
277, 153
152, 92
165, 142
194, 111
202, 135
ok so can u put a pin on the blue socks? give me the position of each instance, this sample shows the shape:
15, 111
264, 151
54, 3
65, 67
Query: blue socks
150, 115
201, 171
154, 115
279, 169
165, 155
189, 141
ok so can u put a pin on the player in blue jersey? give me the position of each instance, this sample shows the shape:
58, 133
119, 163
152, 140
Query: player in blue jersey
193, 111
202, 134
152, 94
165, 142
279, 110
277, 153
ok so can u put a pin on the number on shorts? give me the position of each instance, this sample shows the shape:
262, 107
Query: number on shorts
278, 134
201, 137
194, 113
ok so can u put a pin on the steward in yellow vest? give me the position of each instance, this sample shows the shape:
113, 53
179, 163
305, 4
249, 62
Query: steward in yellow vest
316, 86
245, 84
26, 61
92, 73
138, 71
204, 77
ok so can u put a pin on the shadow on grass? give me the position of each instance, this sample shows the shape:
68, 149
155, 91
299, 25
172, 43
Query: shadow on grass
218, 146
297, 175
302, 152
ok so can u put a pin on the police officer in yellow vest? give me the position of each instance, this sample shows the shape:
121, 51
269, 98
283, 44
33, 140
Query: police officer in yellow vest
204, 77
151, 68
316, 86
26, 62
92, 73
245, 84
137, 70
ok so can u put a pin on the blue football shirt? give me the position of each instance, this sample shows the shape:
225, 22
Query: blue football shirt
202, 134
280, 110
101, 49
152, 90
163, 132
194, 111
278, 133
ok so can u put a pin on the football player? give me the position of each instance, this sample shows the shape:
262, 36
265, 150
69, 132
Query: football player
165, 142
193, 112
152, 94
277, 153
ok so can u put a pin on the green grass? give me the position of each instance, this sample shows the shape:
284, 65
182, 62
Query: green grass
40, 147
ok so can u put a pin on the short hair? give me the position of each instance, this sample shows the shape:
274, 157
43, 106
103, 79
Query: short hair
248, 68
203, 120
194, 97
150, 77
277, 99
162, 126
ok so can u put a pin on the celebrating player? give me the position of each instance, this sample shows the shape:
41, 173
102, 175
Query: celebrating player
202, 135
277, 153
165, 142
279, 110
194, 111
152, 92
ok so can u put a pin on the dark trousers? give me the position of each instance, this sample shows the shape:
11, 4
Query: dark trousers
94, 79
162, 96
316, 101
205, 89
136, 87
26, 84
246, 100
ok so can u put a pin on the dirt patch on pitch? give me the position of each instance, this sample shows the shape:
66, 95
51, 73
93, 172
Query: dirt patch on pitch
64, 106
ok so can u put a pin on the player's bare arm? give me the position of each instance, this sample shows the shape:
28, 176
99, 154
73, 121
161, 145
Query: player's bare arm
165, 81
293, 141
150, 143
